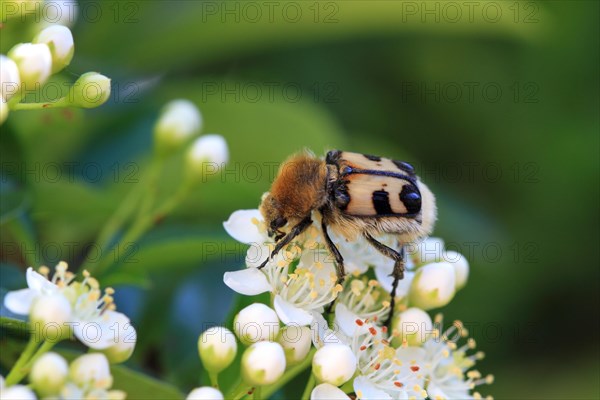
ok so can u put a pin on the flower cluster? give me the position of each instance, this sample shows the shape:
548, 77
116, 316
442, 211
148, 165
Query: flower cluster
28, 66
87, 377
356, 353
60, 307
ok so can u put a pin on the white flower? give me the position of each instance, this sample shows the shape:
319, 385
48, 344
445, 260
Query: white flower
382, 371
427, 251
326, 391
49, 374
412, 326
60, 42
63, 12
297, 292
263, 363
50, 316
217, 348
9, 78
434, 286
34, 62
20, 301
256, 322
460, 265
91, 90
448, 367
124, 339
205, 393
92, 313
17, 392
91, 370
179, 121
334, 364
207, 154
365, 299
359, 254
296, 342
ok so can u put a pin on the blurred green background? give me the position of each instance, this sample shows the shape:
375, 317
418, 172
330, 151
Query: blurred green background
495, 103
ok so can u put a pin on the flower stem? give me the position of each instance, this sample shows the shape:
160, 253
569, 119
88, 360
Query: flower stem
257, 393
46, 347
120, 216
238, 392
309, 387
214, 379
16, 373
290, 374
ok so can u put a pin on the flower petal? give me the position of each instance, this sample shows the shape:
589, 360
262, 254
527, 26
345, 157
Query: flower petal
365, 390
290, 314
19, 301
326, 391
385, 279
249, 281
257, 253
345, 319
38, 282
240, 226
102, 332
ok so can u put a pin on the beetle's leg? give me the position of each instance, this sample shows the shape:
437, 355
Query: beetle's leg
296, 230
397, 273
339, 260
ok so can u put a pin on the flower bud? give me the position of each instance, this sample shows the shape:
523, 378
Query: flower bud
125, 341
263, 363
334, 363
325, 391
427, 251
49, 374
60, 42
91, 90
3, 111
296, 342
91, 369
34, 62
179, 121
255, 323
9, 78
461, 267
217, 348
207, 155
412, 326
15, 392
205, 393
50, 315
433, 286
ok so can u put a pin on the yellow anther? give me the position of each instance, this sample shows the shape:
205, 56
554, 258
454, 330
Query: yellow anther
254, 221
385, 304
489, 379
109, 290
321, 282
93, 283
62, 266
44, 270
338, 288
373, 283
477, 395
86, 273
471, 343
313, 294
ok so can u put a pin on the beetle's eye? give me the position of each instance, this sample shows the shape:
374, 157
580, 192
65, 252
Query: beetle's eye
278, 223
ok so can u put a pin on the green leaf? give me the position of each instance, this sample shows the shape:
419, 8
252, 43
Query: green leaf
141, 386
